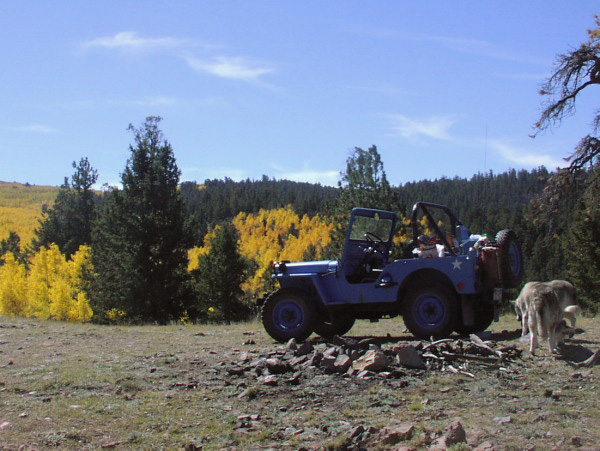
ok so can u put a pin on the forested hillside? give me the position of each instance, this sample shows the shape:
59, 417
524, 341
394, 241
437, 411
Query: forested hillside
21, 206
217, 200
486, 203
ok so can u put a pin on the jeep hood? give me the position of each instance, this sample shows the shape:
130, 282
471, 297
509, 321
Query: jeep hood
306, 268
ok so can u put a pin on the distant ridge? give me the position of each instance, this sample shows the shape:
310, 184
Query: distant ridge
21, 206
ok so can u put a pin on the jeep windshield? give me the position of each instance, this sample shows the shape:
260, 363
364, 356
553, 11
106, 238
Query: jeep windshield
375, 226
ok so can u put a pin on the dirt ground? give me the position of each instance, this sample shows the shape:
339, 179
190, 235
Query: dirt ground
76, 386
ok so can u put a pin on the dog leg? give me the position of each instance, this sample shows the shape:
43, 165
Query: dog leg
533, 332
571, 318
570, 312
552, 340
524, 326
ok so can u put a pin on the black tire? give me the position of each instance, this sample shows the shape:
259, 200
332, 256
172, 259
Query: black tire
340, 326
430, 311
511, 260
483, 316
287, 314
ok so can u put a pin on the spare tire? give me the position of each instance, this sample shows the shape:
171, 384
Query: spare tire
511, 258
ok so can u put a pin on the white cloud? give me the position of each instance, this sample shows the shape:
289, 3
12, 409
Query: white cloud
229, 67
481, 48
149, 101
200, 174
152, 101
238, 68
306, 174
129, 40
435, 127
476, 47
526, 158
32, 129
524, 76
384, 89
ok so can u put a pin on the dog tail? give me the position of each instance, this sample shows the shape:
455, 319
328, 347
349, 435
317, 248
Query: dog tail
573, 309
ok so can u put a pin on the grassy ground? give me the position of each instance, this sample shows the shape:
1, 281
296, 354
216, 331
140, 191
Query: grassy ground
73, 386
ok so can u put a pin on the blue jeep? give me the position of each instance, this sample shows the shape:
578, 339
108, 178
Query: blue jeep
447, 281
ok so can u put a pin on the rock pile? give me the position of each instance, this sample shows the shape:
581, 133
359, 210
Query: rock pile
370, 358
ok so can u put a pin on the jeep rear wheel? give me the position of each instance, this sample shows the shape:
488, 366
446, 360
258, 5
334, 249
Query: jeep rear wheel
288, 314
430, 311
339, 326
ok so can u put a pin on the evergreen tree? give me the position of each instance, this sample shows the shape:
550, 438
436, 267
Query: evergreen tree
583, 251
139, 247
219, 276
365, 184
575, 72
11, 244
68, 223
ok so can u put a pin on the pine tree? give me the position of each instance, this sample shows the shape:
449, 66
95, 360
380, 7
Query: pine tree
363, 184
139, 247
11, 244
219, 275
68, 223
583, 251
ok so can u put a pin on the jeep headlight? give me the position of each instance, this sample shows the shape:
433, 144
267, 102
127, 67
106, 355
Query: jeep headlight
279, 267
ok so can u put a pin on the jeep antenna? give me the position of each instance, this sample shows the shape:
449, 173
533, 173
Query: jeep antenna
485, 149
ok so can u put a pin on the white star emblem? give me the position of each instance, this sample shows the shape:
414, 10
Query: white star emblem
456, 264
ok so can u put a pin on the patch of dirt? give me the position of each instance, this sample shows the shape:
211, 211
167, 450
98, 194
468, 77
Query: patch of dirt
73, 386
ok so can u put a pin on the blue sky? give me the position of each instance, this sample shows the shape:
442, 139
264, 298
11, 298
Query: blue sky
285, 88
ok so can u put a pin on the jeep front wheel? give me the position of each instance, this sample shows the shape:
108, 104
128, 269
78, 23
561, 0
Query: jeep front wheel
288, 314
430, 311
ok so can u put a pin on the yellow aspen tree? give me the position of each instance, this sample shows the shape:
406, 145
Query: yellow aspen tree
81, 311
60, 299
56, 287
80, 267
403, 233
13, 287
58, 279
196, 252
67, 298
38, 285
280, 234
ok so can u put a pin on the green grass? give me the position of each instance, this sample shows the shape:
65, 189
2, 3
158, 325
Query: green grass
77, 386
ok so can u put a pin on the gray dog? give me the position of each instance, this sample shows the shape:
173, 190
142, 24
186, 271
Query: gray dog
541, 307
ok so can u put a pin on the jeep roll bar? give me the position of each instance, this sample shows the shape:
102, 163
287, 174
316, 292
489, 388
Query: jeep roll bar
425, 206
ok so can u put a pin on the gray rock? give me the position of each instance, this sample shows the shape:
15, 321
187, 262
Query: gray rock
391, 435
373, 360
304, 349
277, 366
342, 363
291, 345
454, 433
409, 357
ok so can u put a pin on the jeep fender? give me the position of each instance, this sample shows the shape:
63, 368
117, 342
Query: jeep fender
423, 277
